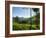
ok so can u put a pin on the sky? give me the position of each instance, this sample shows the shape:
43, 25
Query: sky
22, 12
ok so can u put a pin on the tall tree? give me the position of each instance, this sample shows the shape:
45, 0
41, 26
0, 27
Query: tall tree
36, 10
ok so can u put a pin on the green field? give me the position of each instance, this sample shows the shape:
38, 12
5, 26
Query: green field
18, 26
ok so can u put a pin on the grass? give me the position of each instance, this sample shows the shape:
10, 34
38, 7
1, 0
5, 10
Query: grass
27, 26
17, 26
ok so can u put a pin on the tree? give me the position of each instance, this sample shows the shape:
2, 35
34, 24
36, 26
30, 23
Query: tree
36, 10
16, 18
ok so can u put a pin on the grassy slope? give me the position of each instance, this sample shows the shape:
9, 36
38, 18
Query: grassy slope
17, 26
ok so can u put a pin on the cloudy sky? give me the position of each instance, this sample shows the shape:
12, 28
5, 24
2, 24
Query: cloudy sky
22, 12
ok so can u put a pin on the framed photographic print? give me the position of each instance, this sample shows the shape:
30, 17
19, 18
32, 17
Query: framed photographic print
24, 18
